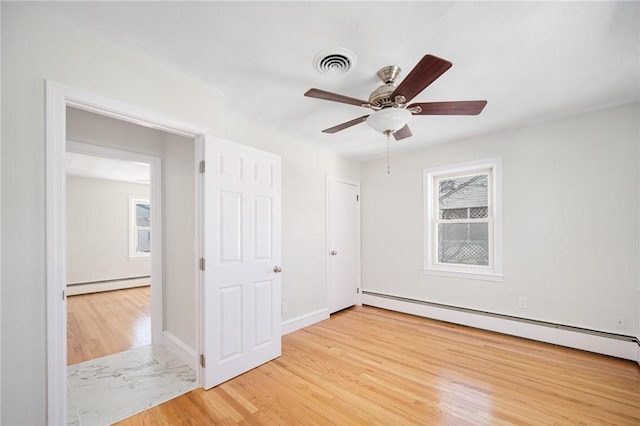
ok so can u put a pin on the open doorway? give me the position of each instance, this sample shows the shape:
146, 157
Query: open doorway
108, 255
182, 303
119, 269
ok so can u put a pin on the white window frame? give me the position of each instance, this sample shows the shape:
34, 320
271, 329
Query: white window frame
491, 272
134, 254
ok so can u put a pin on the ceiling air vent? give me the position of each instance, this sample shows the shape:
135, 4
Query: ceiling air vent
334, 61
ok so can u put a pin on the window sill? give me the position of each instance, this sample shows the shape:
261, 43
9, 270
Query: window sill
483, 276
139, 257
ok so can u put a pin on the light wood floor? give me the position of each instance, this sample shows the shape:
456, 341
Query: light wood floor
102, 324
370, 366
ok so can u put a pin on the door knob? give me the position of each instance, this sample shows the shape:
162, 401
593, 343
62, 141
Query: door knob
277, 269
333, 252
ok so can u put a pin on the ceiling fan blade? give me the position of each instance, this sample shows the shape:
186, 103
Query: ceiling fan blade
422, 75
405, 132
343, 126
450, 108
329, 96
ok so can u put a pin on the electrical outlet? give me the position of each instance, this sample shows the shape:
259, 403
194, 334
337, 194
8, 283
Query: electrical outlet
621, 323
522, 302
284, 307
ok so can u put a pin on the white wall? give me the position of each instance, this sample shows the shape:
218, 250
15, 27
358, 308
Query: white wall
98, 215
571, 231
179, 217
36, 48
178, 198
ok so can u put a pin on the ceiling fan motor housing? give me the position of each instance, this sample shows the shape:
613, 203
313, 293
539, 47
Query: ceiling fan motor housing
381, 97
389, 74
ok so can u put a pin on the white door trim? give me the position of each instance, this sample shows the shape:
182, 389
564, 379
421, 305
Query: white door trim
58, 98
355, 183
156, 217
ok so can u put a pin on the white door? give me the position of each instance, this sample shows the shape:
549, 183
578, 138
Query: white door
344, 243
241, 291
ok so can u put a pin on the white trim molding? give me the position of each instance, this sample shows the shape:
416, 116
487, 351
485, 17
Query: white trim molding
302, 321
56, 105
625, 347
181, 350
58, 98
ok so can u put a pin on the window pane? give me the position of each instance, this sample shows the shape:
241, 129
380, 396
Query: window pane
463, 243
143, 214
454, 213
464, 197
478, 212
144, 241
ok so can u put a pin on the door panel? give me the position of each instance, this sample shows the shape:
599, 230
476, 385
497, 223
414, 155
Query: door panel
263, 316
230, 321
230, 166
263, 173
262, 208
344, 244
241, 307
230, 227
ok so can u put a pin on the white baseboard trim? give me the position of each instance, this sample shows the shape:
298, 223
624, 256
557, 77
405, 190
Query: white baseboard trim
75, 289
293, 324
181, 350
589, 342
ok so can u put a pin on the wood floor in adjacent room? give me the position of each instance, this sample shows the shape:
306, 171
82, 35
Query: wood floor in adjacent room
371, 366
101, 324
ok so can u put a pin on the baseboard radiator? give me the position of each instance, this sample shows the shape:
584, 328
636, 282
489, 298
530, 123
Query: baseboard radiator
620, 345
107, 285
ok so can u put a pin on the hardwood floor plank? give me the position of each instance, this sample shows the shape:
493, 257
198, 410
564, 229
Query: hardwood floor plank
370, 366
101, 324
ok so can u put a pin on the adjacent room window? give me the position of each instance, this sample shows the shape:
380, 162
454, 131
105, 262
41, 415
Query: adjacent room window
463, 220
140, 229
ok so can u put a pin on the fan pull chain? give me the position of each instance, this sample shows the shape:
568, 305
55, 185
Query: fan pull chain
388, 162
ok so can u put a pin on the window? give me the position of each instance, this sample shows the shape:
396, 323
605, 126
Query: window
140, 229
463, 230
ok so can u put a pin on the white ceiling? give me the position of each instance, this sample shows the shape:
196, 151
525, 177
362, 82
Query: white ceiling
107, 168
532, 61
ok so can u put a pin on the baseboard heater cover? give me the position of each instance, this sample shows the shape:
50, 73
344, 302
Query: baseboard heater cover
563, 327
110, 280
107, 285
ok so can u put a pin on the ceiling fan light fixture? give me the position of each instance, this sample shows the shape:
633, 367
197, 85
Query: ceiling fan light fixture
391, 103
389, 119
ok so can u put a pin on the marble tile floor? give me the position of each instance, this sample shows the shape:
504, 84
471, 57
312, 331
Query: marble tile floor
105, 390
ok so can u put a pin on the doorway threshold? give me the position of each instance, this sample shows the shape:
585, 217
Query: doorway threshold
109, 389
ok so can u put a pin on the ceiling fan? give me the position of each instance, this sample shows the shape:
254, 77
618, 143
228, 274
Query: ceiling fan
390, 102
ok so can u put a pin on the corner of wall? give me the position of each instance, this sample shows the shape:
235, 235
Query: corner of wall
293, 324
180, 349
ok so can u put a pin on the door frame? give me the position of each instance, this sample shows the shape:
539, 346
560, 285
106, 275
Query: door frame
58, 98
157, 252
355, 183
